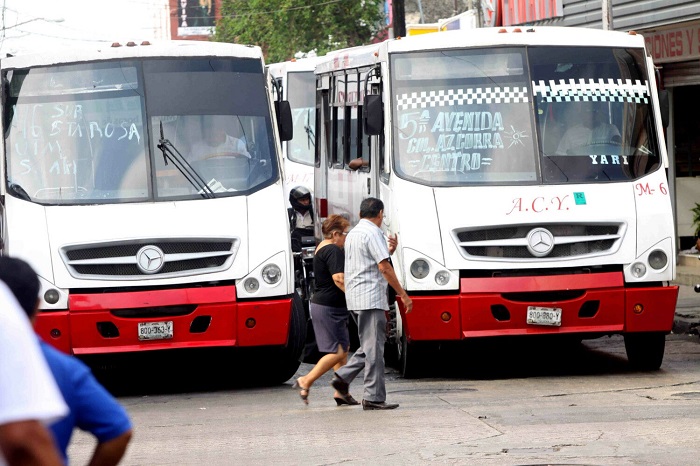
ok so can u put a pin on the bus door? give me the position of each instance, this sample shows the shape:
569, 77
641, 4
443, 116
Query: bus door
322, 148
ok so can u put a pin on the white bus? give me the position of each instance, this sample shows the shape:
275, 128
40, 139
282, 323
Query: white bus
142, 182
295, 83
508, 225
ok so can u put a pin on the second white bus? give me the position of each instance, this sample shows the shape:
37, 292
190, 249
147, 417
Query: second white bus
513, 218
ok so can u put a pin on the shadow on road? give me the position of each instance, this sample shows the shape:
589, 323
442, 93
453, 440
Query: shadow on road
206, 370
175, 371
518, 357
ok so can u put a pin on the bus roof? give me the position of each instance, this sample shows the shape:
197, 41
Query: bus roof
170, 48
290, 66
483, 37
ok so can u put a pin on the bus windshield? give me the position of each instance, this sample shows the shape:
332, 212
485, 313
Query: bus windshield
522, 115
301, 93
138, 130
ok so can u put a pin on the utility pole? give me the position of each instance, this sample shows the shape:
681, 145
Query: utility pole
399, 18
607, 15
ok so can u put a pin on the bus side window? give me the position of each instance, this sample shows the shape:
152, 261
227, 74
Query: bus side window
338, 135
327, 129
338, 117
356, 149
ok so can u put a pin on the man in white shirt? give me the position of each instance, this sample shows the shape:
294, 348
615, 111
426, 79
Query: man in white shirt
367, 274
29, 397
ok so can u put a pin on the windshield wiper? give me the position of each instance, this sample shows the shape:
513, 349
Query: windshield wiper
190, 174
310, 136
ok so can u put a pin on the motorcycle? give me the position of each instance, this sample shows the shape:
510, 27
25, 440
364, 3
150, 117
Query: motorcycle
304, 270
304, 284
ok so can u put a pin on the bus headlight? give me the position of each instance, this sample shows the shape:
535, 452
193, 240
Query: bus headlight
420, 268
638, 270
251, 285
658, 259
271, 274
442, 278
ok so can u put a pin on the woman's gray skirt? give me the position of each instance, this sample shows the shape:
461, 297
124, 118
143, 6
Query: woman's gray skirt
331, 327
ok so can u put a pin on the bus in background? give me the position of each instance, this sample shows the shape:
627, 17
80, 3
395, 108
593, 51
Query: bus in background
524, 174
416, 29
142, 182
295, 82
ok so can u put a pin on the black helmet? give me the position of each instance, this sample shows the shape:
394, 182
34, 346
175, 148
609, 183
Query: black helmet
298, 193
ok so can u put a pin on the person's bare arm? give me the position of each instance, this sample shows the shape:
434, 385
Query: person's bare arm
388, 272
357, 163
28, 443
339, 280
111, 452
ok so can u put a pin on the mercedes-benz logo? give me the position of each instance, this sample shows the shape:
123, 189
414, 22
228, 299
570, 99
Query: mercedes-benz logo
540, 242
150, 259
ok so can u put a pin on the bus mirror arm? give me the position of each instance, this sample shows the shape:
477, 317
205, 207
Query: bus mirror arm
664, 107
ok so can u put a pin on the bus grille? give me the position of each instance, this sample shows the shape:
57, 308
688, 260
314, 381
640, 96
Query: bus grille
511, 243
154, 258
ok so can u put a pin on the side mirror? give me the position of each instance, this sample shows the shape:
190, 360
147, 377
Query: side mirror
283, 111
664, 107
373, 114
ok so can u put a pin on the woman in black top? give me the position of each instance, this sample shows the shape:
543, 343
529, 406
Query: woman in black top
329, 313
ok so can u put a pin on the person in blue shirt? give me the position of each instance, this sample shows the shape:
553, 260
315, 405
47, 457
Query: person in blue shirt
91, 407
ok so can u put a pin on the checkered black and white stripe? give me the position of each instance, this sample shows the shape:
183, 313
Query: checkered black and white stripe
452, 97
610, 90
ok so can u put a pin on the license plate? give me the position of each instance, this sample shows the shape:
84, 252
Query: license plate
155, 330
544, 316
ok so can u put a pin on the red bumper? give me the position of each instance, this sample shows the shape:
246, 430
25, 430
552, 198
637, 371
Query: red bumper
596, 303
202, 317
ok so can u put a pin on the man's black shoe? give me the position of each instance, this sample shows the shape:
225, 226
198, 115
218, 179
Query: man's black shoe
341, 385
368, 405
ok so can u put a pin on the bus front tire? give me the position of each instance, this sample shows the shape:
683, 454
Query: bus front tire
645, 351
411, 358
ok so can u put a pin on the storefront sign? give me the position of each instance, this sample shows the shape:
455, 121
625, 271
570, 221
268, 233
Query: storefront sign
674, 44
195, 18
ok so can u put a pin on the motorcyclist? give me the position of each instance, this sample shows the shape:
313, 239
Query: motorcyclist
301, 216
301, 222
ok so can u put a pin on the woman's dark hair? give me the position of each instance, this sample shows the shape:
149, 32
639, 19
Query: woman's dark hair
334, 223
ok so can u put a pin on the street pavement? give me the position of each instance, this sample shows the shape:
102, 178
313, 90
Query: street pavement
687, 319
